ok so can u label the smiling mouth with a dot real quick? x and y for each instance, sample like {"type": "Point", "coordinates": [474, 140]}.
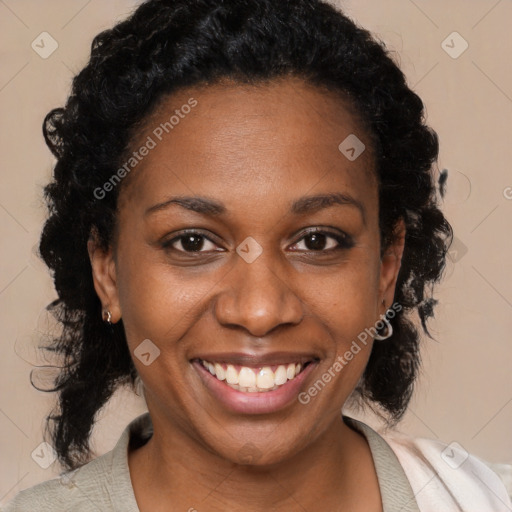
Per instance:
{"type": "Point", "coordinates": [254, 379]}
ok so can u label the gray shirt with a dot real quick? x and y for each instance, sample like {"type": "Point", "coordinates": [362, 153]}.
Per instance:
{"type": "Point", "coordinates": [104, 485]}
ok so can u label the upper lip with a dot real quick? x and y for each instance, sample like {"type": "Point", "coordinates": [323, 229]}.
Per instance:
{"type": "Point", "coordinates": [253, 359]}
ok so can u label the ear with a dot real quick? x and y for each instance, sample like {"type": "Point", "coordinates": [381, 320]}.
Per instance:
{"type": "Point", "coordinates": [390, 265]}
{"type": "Point", "coordinates": [104, 276]}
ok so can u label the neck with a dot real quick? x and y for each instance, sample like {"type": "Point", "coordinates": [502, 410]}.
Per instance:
{"type": "Point", "coordinates": [337, 468]}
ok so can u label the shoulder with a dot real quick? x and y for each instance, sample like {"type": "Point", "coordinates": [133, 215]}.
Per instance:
{"type": "Point", "coordinates": [442, 473]}
{"type": "Point", "coordinates": [102, 484]}
{"type": "Point", "coordinates": [76, 490]}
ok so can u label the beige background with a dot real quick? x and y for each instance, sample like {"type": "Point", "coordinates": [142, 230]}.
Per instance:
{"type": "Point", "coordinates": [465, 391]}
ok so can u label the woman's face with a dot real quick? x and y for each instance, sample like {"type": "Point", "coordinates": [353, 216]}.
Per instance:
{"type": "Point", "coordinates": [254, 172]}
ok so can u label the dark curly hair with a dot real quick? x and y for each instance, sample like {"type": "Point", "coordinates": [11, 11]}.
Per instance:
{"type": "Point", "coordinates": [166, 45]}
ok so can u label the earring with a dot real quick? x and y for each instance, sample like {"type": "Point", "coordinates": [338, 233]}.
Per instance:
{"type": "Point", "coordinates": [389, 327]}
{"type": "Point", "coordinates": [388, 333]}
{"type": "Point", "coordinates": [107, 316]}
{"type": "Point", "coordinates": [139, 386]}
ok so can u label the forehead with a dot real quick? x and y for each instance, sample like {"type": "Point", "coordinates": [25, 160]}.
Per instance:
{"type": "Point", "coordinates": [249, 136]}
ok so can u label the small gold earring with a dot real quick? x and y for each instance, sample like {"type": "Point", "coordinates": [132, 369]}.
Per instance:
{"type": "Point", "coordinates": [107, 316]}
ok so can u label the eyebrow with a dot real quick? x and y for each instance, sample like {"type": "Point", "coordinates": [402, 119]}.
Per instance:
{"type": "Point", "coordinates": [302, 206]}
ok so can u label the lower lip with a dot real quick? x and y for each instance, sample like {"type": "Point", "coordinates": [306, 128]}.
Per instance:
{"type": "Point", "coordinates": [253, 403]}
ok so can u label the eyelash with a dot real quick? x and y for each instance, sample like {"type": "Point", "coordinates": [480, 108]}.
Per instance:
{"type": "Point", "coordinates": [345, 241]}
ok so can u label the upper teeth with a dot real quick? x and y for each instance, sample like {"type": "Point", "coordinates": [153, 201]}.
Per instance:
{"type": "Point", "coordinates": [253, 379]}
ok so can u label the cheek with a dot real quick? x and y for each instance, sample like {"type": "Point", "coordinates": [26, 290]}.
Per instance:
{"type": "Point", "coordinates": [347, 304]}
{"type": "Point", "coordinates": [158, 301]}
{"type": "Point", "coordinates": [347, 298]}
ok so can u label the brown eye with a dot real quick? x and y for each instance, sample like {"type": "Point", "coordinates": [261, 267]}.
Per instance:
{"type": "Point", "coordinates": [189, 243]}
{"type": "Point", "coordinates": [192, 242]}
{"type": "Point", "coordinates": [323, 241]}
{"type": "Point", "coordinates": [316, 241]}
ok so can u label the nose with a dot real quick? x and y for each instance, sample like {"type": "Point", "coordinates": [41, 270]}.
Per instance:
{"type": "Point", "coordinates": [258, 297]}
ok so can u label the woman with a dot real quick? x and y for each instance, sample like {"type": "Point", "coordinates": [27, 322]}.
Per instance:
{"type": "Point", "coordinates": [244, 220]}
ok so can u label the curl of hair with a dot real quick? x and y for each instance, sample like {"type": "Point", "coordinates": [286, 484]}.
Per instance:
{"type": "Point", "coordinates": [166, 45]}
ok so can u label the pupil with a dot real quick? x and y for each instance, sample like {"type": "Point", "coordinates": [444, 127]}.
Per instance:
{"type": "Point", "coordinates": [317, 241]}
{"type": "Point", "coordinates": [192, 242]}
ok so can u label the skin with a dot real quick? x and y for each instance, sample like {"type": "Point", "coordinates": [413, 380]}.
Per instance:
{"type": "Point", "coordinates": [256, 150]}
